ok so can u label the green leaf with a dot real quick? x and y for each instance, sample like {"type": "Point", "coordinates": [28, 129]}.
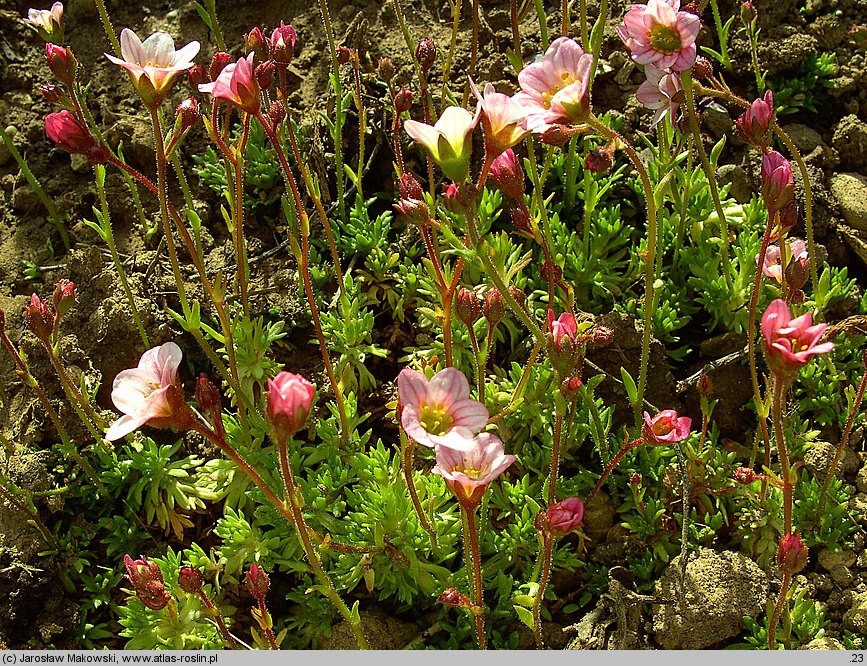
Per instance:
{"type": "Point", "coordinates": [629, 385]}
{"type": "Point", "coordinates": [525, 615]}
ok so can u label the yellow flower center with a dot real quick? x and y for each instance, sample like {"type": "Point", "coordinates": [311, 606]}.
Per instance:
{"type": "Point", "coordinates": [662, 427]}
{"type": "Point", "coordinates": [435, 419]}
{"type": "Point", "coordinates": [568, 79]}
{"type": "Point", "coordinates": [665, 39]}
{"type": "Point", "coordinates": [469, 471]}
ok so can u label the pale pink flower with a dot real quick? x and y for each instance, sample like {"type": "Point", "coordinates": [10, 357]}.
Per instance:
{"type": "Point", "coordinates": [439, 410]}
{"type": "Point", "coordinates": [556, 89]}
{"type": "Point", "coordinates": [772, 266]}
{"type": "Point", "coordinates": [288, 404]}
{"type": "Point", "coordinates": [47, 22]}
{"type": "Point", "coordinates": [448, 140]}
{"type": "Point", "coordinates": [665, 428]}
{"type": "Point", "coordinates": [153, 65]}
{"type": "Point", "coordinates": [502, 119]}
{"type": "Point", "coordinates": [661, 92]}
{"type": "Point", "coordinates": [658, 34]}
{"type": "Point", "coordinates": [790, 343]}
{"type": "Point", "coordinates": [237, 85]}
{"type": "Point", "coordinates": [563, 326]}
{"type": "Point", "coordinates": [468, 472]}
{"type": "Point", "coordinates": [142, 393]}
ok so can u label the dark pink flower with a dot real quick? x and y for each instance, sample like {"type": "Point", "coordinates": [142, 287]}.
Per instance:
{"type": "Point", "coordinates": [39, 319]}
{"type": "Point", "coordinates": [143, 393]}
{"type": "Point", "coordinates": [61, 62]}
{"type": "Point", "coordinates": [153, 65]}
{"type": "Point", "coordinates": [502, 119]}
{"type": "Point", "coordinates": [146, 577]}
{"type": "Point", "coordinates": [658, 34]}
{"type": "Point", "coordinates": [288, 404]}
{"type": "Point", "coordinates": [236, 84]}
{"type": "Point", "coordinates": [565, 516]}
{"type": "Point", "coordinates": [755, 125]}
{"type": "Point", "coordinates": [556, 89]}
{"type": "Point", "coordinates": [792, 553]}
{"type": "Point", "coordinates": [790, 343]}
{"type": "Point", "coordinates": [507, 174]}
{"type": "Point", "coordinates": [665, 428]}
{"type": "Point", "coordinates": [68, 133]}
{"type": "Point", "coordinates": [439, 410]}
{"type": "Point", "coordinates": [469, 471]}
{"type": "Point", "coordinates": [661, 92]}
{"type": "Point", "coordinates": [564, 346]}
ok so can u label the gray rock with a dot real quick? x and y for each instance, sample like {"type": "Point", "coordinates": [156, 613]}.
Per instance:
{"type": "Point", "coordinates": [806, 139]}
{"type": "Point", "coordinates": [850, 141]}
{"type": "Point", "coordinates": [861, 480]}
{"type": "Point", "coordinates": [855, 619]}
{"type": "Point", "coordinates": [741, 190]}
{"type": "Point", "coordinates": [5, 155]}
{"type": "Point", "coordinates": [717, 120]}
{"type": "Point", "coordinates": [850, 190]}
{"type": "Point", "coordinates": [829, 560]}
{"type": "Point", "coordinates": [820, 455]}
{"type": "Point", "coordinates": [24, 198]}
{"type": "Point", "coordinates": [718, 591]}
{"type": "Point", "coordinates": [824, 643]}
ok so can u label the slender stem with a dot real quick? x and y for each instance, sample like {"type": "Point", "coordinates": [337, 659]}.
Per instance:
{"type": "Point", "coordinates": [782, 450]}
{"type": "Point", "coordinates": [473, 535]}
{"type": "Point", "coordinates": [265, 624]}
{"type": "Point", "coordinates": [543, 23]}
{"type": "Point", "coordinates": [610, 467]}
{"type": "Point", "coordinates": [362, 122]}
{"type": "Point", "coordinates": [106, 24]}
{"type": "Point", "coordinates": [555, 455]}
{"type": "Point", "coordinates": [515, 400]}
{"type": "Point", "coordinates": [408, 446]}
{"type": "Point", "coordinates": [112, 248]}
{"type": "Point", "coordinates": [516, 32]}
{"type": "Point", "coordinates": [447, 65]}
{"type": "Point", "coordinates": [723, 38]}
{"type": "Point", "coordinates": [218, 618]}
{"type": "Point", "coordinates": [650, 263]}
{"type": "Point", "coordinates": [480, 368]}
{"type": "Point", "coordinates": [338, 111]}
{"type": "Point", "coordinates": [778, 609]}
{"type": "Point", "coordinates": [547, 558]}
{"type": "Point", "coordinates": [238, 217]}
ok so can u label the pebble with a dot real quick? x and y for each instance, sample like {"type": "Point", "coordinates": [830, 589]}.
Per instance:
{"type": "Point", "coordinates": [806, 139]}
{"type": "Point", "coordinates": [850, 190]}
{"type": "Point", "coordinates": [741, 190]}
{"type": "Point", "coordinates": [850, 141]}
{"type": "Point", "coordinates": [717, 120]}
{"type": "Point", "coordinates": [5, 154]}
{"type": "Point", "coordinates": [855, 619]}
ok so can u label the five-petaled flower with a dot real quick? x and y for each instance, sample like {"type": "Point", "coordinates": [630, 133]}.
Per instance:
{"type": "Point", "coordinates": [665, 428]}
{"type": "Point", "coordinates": [149, 393]}
{"type": "Point", "coordinates": [790, 343]}
{"type": "Point", "coordinates": [556, 89]}
{"type": "Point", "coordinates": [153, 65]}
{"type": "Point", "coordinates": [237, 85]}
{"type": "Point", "coordinates": [468, 472]}
{"type": "Point", "coordinates": [439, 411]}
{"type": "Point", "coordinates": [772, 266]}
{"type": "Point", "coordinates": [448, 140]}
{"type": "Point", "coordinates": [659, 34]}
{"type": "Point", "coordinates": [502, 119]}
{"type": "Point", "coordinates": [47, 22]}
{"type": "Point", "coordinates": [661, 92]}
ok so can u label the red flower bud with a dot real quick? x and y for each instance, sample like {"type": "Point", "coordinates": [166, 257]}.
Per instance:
{"type": "Point", "coordinates": [39, 319]}
{"type": "Point", "coordinates": [288, 404]}
{"type": "Point", "coordinates": [426, 53]}
{"type": "Point", "coordinates": [61, 62]}
{"type": "Point", "coordinates": [218, 64]}
{"type": "Point", "coordinates": [468, 307]}
{"type": "Point", "coordinates": [601, 336]}
{"type": "Point", "coordinates": [599, 160]}
{"type": "Point", "coordinates": [704, 385]}
{"type": "Point", "coordinates": [778, 185]}
{"type": "Point", "coordinates": [556, 135]}
{"type": "Point", "coordinates": [344, 55]}
{"type": "Point", "coordinates": [258, 582]}
{"type": "Point", "coordinates": [792, 553]}
{"type": "Point", "coordinates": [197, 75]}
{"type": "Point", "coordinates": [50, 92]}
{"type": "Point", "coordinates": [565, 516]}
{"type": "Point", "coordinates": [508, 176]}
{"type": "Point", "coordinates": [147, 580]}
{"type": "Point", "coordinates": [282, 44]}
{"type": "Point", "coordinates": [570, 386]}
{"type": "Point", "coordinates": [264, 74]}
{"type": "Point", "coordinates": [207, 394]}
{"type": "Point", "coordinates": [494, 309]}
{"type": "Point", "coordinates": [702, 69]}
{"type": "Point", "coordinates": [386, 69]}
{"type": "Point", "coordinates": [191, 580]}
{"type": "Point", "coordinates": [276, 112]}
{"type": "Point", "coordinates": [755, 126]}
{"type": "Point", "coordinates": [255, 42]}
{"type": "Point", "coordinates": [189, 113]}
{"type": "Point", "coordinates": [63, 297]}
{"type": "Point", "coordinates": [402, 100]}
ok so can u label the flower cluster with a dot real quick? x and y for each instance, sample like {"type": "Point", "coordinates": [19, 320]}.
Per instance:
{"type": "Point", "coordinates": [439, 413]}
{"type": "Point", "coordinates": [662, 38]}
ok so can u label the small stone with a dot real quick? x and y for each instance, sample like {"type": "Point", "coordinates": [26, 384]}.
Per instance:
{"type": "Point", "coordinates": [850, 141]}
{"type": "Point", "coordinates": [855, 619]}
{"type": "Point", "coordinates": [824, 643]}
{"type": "Point", "coordinates": [79, 163]}
{"type": "Point", "coordinates": [717, 120]}
{"type": "Point", "coordinates": [850, 190]}
{"type": "Point", "coordinates": [861, 480]}
{"type": "Point", "coordinates": [858, 508]}
{"type": "Point", "coordinates": [24, 198]}
{"type": "Point", "coordinates": [740, 191]}
{"type": "Point", "coordinates": [842, 576]}
{"type": "Point", "coordinates": [829, 560]}
{"type": "Point", "coordinates": [5, 154]}
{"type": "Point", "coordinates": [806, 139]}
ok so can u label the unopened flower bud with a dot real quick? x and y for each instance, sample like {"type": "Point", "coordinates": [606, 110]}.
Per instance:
{"type": "Point", "coordinates": [451, 597]}
{"type": "Point", "coordinates": [755, 126]}
{"type": "Point", "coordinates": [598, 160]}
{"type": "Point", "coordinates": [556, 135]}
{"type": "Point", "coordinates": [789, 215]}
{"type": "Point", "coordinates": [704, 385]}
{"type": "Point", "coordinates": [521, 220]}
{"type": "Point", "coordinates": [551, 272]}
{"type": "Point", "coordinates": [344, 55]}
{"type": "Point", "coordinates": [61, 62]}
{"type": "Point", "coordinates": [409, 187]}
{"type": "Point", "coordinates": [411, 204]}
{"type": "Point", "coordinates": [190, 580]}
{"type": "Point", "coordinates": [745, 475]}
{"type": "Point", "coordinates": [507, 174]}
{"type": "Point", "coordinates": [702, 69]}
{"type": "Point", "coordinates": [518, 294]}
{"type": "Point", "coordinates": [386, 69]}
{"type": "Point", "coordinates": [254, 41]}
{"type": "Point", "coordinates": [570, 386]}
{"type": "Point", "coordinates": [218, 64]}
{"type": "Point", "coordinates": [276, 112]}
{"type": "Point", "coordinates": [147, 580]}
{"type": "Point", "coordinates": [564, 348]}
{"type": "Point", "coordinates": [565, 516]}
{"type": "Point", "coordinates": [494, 309]}
{"type": "Point", "coordinates": [403, 101]}
{"type": "Point", "coordinates": [792, 553]}
{"type": "Point", "coordinates": [50, 92]}
{"type": "Point", "coordinates": [282, 44]}
{"type": "Point", "coordinates": [63, 297]}
{"type": "Point", "coordinates": [468, 307]}
{"type": "Point", "coordinates": [461, 199]}
{"type": "Point", "coordinates": [196, 75]}
{"type": "Point", "coordinates": [258, 582]}
{"type": "Point", "coordinates": [264, 73]}
{"type": "Point", "coordinates": [778, 185]}
{"type": "Point", "coordinates": [288, 404]}
{"type": "Point", "coordinates": [601, 336]}
{"type": "Point", "coordinates": [207, 394]}
{"type": "Point", "coordinates": [748, 13]}
{"type": "Point", "coordinates": [189, 113]}
{"type": "Point", "coordinates": [39, 319]}
{"type": "Point", "coordinates": [426, 53]}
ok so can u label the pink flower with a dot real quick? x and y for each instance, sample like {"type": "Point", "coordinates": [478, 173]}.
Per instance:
{"type": "Point", "coordinates": [772, 267]}
{"type": "Point", "coordinates": [61, 62]}
{"type": "Point", "coordinates": [439, 410]}
{"type": "Point", "coordinates": [508, 176]}
{"type": "Point", "coordinates": [563, 346]}
{"type": "Point", "coordinates": [468, 472]}
{"type": "Point", "coordinates": [756, 123]}
{"type": "Point", "coordinates": [792, 553]}
{"type": "Point", "coordinates": [153, 65]}
{"type": "Point", "coordinates": [658, 34]}
{"type": "Point", "coordinates": [68, 133]}
{"type": "Point", "coordinates": [282, 44]}
{"type": "Point", "coordinates": [665, 428]}
{"type": "Point", "coordinates": [143, 393]}
{"type": "Point", "coordinates": [502, 119]}
{"type": "Point", "coordinates": [448, 140]}
{"type": "Point", "coordinates": [555, 90]}
{"type": "Point", "coordinates": [236, 84]}
{"type": "Point", "coordinates": [40, 319]}
{"type": "Point", "coordinates": [47, 22]}
{"type": "Point", "coordinates": [662, 92]}
{"type": "Point", "coordinates": [288, 404]}
{"type": "Point", "coordinates": [790, 343]}
{"type": "Point", "coordinates": [565, 516]}
{"type": "Point", "coordinates": [778, 184]}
